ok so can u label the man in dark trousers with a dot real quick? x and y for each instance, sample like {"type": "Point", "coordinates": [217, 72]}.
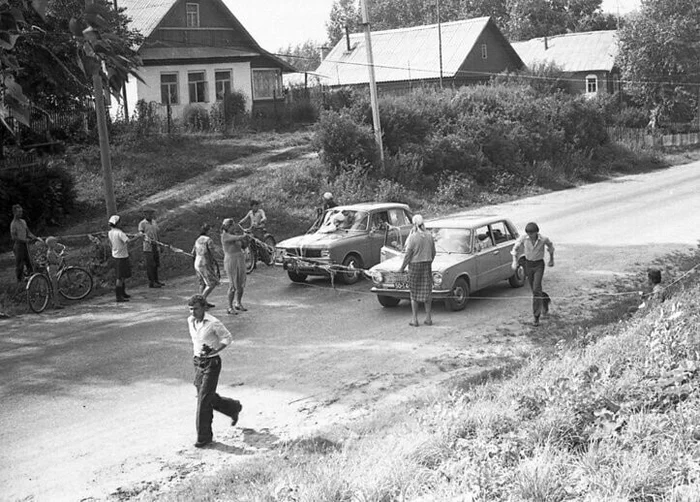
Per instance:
{"type": "Point", "coordinates": [534, 245]}
{"type": "Point", "coordinates": [149, 229]}
{"type": "Point", "coordinates": [209, 337]}
{"type": "Point", "coordinates": [20, 237]}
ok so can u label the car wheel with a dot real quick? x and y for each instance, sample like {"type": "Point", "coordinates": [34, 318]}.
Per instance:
{"type": "Point", "coordinates": [352, 262]}
{"type": "Point", "coordinates": [459, 295]}
{"type": "Point", "coordinates": [517, 280]}
{"type": "Point", "coordinates": [296, 277]}
{"type": "Point", "coordinates": [388, 301]}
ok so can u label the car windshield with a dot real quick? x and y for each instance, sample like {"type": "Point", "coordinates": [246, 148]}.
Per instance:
{"type": "Point", "coordinates": [452, 240]}
{"type": "Point", "coordinates": [346, 219]}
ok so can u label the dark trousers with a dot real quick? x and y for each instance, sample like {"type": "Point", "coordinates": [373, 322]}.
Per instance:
{"type": "Point", "coordinates": [22, 259]}
{"type": "Point", "coordinates": [152, 258]}
{"type": "Point", "coordinates": [534, 270]}
{"type": "Point", "coordinates": [206, 378]}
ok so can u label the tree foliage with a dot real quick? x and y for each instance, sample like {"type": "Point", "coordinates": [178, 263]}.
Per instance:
{"type": "Point", "coordinates": [660, 55]}
{"type": "Point", "coordinates": [344, 13]}
{"type": "Point", "coordinates": [305, 56]}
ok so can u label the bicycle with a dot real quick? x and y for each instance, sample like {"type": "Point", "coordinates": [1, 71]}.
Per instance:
{"type": "Point", "coordinates": [74, 283]}
{"type": "Point", "coordinates": [259, 249]}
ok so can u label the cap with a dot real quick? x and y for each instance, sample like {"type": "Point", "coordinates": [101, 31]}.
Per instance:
{"type": "Point", "coordinates": [114, 219]}
{"type": "Point", "coordinates": [418, 220]}
{"type": "Point", "coordinates": [531, 228]}
{"type": "Point", "coordinates": [227, 222]}
{"type": "Point", "coordinates": [327, 195]}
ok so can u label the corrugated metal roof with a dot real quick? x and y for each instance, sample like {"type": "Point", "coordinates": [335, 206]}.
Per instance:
{"type": "Point", "coordinates": [146, 14]}
{"type": "Point", "coordinates": [403, 54]}
{"type": "Point", "coordinates": [572, 52]}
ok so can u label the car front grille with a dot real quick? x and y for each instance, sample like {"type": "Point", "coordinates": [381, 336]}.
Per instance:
{"type": "Point", "coordinates": [303, 253]}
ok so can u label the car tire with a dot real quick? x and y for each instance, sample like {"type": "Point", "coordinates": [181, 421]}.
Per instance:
{"type": "Point", "coordinates": [459, 295]}
{"type": "Point", "coordinates": [296, 277]}
{"type": "Point", "coordinates": [517, 280]}
{"type": "Point", "coordinates": [388, 301]}
{"type": "Point", "coordinates": [351, 261]}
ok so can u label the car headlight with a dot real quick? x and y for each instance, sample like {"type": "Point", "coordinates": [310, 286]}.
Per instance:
{"type": "Point", "coordinates": [377, 277]}
{"type": "Point", "coordinates": [325, 253]}
{"type": "Point", "coordinates": [437, 279]}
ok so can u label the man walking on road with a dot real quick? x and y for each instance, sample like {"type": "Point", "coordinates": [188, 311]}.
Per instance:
{"type": "Point", "coordinates": [534, 245]}
{"type": "Point", "coordinates": [149, 229]}
{"type": "Point", "coordinates": [209, 337]}
{"type": "Point", "coordinates": [20, 236]}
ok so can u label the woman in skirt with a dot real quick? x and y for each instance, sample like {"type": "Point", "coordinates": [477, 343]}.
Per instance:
{"type": "Point", "coordinates": [204, 263]}
{"type": "Point", "coordinates": [420, 252]}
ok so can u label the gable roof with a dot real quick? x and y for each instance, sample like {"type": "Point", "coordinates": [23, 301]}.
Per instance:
{"type": "Point", "coordinates": [406, 53]}
{"type": "Point", "coordinates": [572, 52]}
{"type": "Point", "coordinates": [146, 15]}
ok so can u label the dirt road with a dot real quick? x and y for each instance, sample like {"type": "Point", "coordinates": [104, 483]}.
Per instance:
{"type": "Point", "coordinates": [98, 399]}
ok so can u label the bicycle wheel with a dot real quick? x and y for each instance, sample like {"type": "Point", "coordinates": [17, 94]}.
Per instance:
{"type": "Point", "coordinates": [249, 256]}
{"type": "Point", "coordinates": [270, 251]}
{"type": "Point", "coordinates": [38, 293]}
{"type": "Point", "coordinates": [74, 283]}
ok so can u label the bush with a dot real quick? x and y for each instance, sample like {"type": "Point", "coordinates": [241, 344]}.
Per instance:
{"type": "Point", "coordinates": [196, 118]}
{"type": "Point", "coordinates": [342, 141]}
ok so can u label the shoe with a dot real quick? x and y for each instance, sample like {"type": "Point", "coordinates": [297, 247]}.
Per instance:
{"type": "Point", "coordinates": [210, 305]}
{"type": "Point", "coordinates": [122, 300]}
{"type": "Point", "coordinates": [241, 308]}
{"type": "Point", "coordinates": [202, 444]}
{"type": "Point", "coordinates": [234, 418]}
{"type": "Point", "coordinates": [155, 285]}
{"type": "Point", "coordinates": [230, 311]}
{"type": "Point", "coordinates": [537, 321]}
{"type": "Point", "coordinates": [161, 284]}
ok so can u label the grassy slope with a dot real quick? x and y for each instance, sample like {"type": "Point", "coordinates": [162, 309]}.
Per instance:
{"type": "Point", "coordinates": [609, 413]}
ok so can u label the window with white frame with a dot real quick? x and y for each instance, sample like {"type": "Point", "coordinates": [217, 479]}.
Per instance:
{"type": "Point", "coordinates": [197, 83]}
{"type": "Point", "coordinates": [484, 51]}
{"type": "Point", "coordinates": [267, 84]}
{"type": "Point", "coordinates": [222, 79]}
{"type": "Point", "coordinates": [591, 84]}
{"type": "Point", "coordinates": [192, 15]}
{"type": "Point", "coordinates": [168, 88]}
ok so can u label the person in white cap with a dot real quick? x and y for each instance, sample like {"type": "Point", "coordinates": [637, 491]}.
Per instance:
{"type": "Point", "coordinates": [120, 253]}
{"type": "Point", "coordinates": [328, 202]}
{"type": "Point", "coordinates": [420, 252]}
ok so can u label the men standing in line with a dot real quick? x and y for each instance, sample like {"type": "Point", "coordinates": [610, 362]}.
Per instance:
{"type": "Point", "coordinates": [420, 252]}
{"type": "Point", "coordinates": [20, 236]}
{"type": "Point", "coordinates": [149, 229]}
{"type": "Point", "coordinates": [120, 253]}
{"type": "Point", "coordinates": [534, 245]}
{"type": "Point", "coordinates": [209, 337]}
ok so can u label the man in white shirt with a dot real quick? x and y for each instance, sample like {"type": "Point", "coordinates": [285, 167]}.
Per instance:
{"type": "Point", "coordinates": [120, 253]}
{"type": "Point", "coordinates": [209, 337]}
{"type": "Point", "coordinates": [257, 219]}
{"type": "Point", "coordinates": [534, 245]}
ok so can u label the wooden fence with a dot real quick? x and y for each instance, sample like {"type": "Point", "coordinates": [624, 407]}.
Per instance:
{"type": "Point", "coordinates": [645, 138]}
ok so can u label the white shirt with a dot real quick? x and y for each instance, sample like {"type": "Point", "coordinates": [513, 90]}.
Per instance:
{"type": "Point", "coordinates": [208, 333]}
{"type": "Point", "coordinates": [118, 239]}
{"type": "Point", "coordinates": [150, 230]}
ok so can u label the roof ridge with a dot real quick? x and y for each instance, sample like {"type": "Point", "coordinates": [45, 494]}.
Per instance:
{"type": "Point", "coordinates": [472, 20]}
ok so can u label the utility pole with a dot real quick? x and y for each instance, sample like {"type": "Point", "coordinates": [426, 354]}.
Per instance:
{"type": "Point", "coordinates": [372, 83]}
{"type": "Point", "coordinates": [439, 40]}
{"type": "Point", "coordinates": [91, 36]}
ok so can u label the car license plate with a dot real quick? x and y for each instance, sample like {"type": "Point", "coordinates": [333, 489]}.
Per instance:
{"type": "Point", "coordinates": [401, 285]}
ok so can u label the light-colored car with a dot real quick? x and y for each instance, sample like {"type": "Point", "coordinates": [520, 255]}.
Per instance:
{"type": "Point", "coordinates": [351, 236]}
{"type": "Point", "coordinates": [473, 252]}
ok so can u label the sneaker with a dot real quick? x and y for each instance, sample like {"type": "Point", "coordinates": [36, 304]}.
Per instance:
{"type": "Point", "coordinates": [234, 418]}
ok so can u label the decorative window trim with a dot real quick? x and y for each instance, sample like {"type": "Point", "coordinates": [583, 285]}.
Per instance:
{"type": "Point", "coordinates": [194, 13]}
{"type": "Point", "coordinates": [484, 51]}
{"type": "Point", "coordinates": [592, 84]}
{"type": "Point", "coordinates": [205, 90]}
{"type": "Point", "coordinates": [163, 100]}
{"type": "Point", "coordinates": [277, 87]}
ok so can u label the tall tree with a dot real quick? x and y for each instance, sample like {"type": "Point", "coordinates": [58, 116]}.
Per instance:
{"type": "Point", "coordinates": [305, 56]}
{"type": "Point", "coordinates": [538, 18]}
{"type": "Point", "coordinates": [344, 13]}
{"type": "Point", "coordinates": [660, 55]}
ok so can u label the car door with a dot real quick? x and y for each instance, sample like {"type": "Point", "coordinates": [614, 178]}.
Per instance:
{"type": "Point", "coordinates": [378, 223]}
{"type": "Point", "coordinates": [487, 257]}
{"type": "Point", "coordinates": [503, 239]}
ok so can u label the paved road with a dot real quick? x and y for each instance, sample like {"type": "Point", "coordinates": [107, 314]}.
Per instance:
{"type": "Point", "coordinates": [99, 396]}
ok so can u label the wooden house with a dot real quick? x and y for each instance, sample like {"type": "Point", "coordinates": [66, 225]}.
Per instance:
{"type": "Point", "coordinates": [587, 60]}
{"type": "Point", "coordinates": [194, 51]}
{"type": "Point", "coordinates": [458, 53]}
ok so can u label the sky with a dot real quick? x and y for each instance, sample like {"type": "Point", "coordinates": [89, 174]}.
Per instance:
{"type": "Point", "coordinates": [275, 24]}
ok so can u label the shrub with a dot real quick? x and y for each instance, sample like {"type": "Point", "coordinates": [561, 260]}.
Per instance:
{"type": "Point", "coordinates": [303, 111]}
{"type": "Point", "coordinates": [196, 118]}
{"type": "Point", "coordinates": [456, 188]}
{"type": "Point", "coordinates": [342, 141]}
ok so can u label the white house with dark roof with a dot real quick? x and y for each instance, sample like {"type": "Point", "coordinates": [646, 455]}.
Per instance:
{"type": "Point", "coordinates": [194, 51]}
{"type": "Point", "coordinates": [587, 59]}
{"type": "Point", "coordinates": [462, 52]}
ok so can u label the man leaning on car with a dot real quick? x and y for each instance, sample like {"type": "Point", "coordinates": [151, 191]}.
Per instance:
{"type": "Point", "coordinates": [534, 245]}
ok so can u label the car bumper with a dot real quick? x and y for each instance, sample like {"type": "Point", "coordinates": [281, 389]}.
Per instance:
{"type": "Point", "coordinates": [405, 293]}
{"type": "Point", "coordinates": [317, 266]}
